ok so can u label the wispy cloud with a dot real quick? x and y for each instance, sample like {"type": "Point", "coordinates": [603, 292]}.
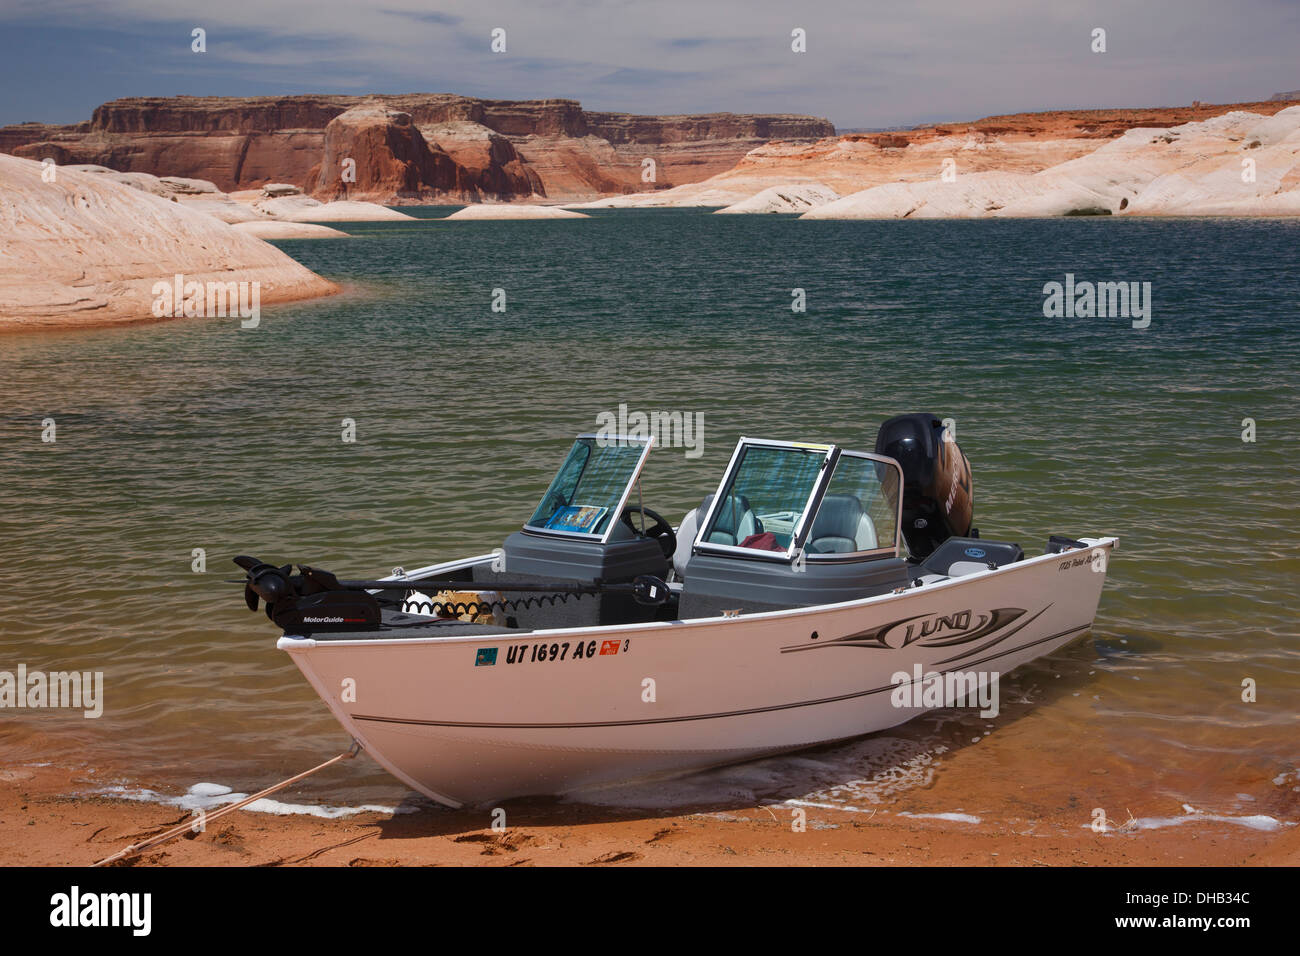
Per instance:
{"type": "Point", "coordinates": [426, 16]}
{"type": "Point", "coordinates": [874, 65]}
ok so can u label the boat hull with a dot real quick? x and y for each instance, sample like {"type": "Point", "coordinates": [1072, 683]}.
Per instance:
{"type": "Point", "coordinates": [468, 720]}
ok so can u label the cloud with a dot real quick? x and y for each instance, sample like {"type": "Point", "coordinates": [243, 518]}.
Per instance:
{"type": "Point", "coordinates": [427, 16]}
{"type": "Point", "coordinates": [879, 65]}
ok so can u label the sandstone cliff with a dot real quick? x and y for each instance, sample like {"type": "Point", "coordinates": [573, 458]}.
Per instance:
{"type": "Point", "coordinates": [799, 197]}
{"type": "Point", "coordinates": [374, 153]}
{"type": "Point", "coordinates": [407, 148]}
{"type": "Point", "coordinates": [275, 202]}
{"type": "Point", "coordinates": [1002, 165]}
{"type": "Point", "coordinates": [80, 249]}
{"type": "Point", "coordinates": [1238, 163]}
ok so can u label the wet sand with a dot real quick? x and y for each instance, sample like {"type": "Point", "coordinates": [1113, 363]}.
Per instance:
{"type": "Point", "coordinates": [41, 824]}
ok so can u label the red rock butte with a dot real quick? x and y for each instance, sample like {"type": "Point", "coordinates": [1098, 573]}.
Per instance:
{"type": "Point", "coordinates": [418, 147]}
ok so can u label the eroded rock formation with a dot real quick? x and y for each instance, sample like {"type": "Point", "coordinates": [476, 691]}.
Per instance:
{"type": "Point", "coordinates": [1167, 161]}
{"type": "Point", "coordinates": [81, 249]}
{"type": "Point", "coordinates": [407, 148]}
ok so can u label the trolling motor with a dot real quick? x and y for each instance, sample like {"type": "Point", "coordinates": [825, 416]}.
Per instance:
{"type": "Point", "coordinates": [310, 601]}
{"type": "Point", "coordinates": [316, 600]}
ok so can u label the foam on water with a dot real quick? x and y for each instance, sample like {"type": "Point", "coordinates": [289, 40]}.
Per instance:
{"type": "Point", "coordinates": [210, 796]}
{"type": "Point", "coordinates": [824, 806]}
{"type": "Point", "coordinates": [857, 776]}
{"type": "Point", "coordinates": [955, 817]}
{"type": "Point", "coordinates": [1256, 821]}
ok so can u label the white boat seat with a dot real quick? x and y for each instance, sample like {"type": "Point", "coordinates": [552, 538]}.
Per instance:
{"type": "Point", "coordinates": [841, 527]}
{"type": "Point", "coordinates": [722, 533]}
{"type": "Point", "coordinates": [686, 532]}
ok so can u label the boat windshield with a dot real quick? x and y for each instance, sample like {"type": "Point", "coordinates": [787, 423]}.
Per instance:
{"type": "Point", "coordinates": [860, 510]}
{"type": "Point", "coordinates": [765, 497]}
{"type": "Point", "coordinates": [589, 491]}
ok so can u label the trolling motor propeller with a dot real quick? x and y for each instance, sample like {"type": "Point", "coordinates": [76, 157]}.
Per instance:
{"type": "Point", "coordinates": [266, 581]}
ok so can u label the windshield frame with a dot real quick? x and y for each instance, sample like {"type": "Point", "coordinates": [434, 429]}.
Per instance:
{"type": "Point", "coordinates": [830, 455]}
{"type": "Point", "coordinates": [894, 549]}
{"type": "Point", "coordinates": [646, 441]}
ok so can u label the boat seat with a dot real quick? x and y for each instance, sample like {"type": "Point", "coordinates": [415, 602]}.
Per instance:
{"type": "Point", "coordinates": [722, 533]}
{"type": "Point", "coordinates": [686, 532]}
{"type": "Point", "coordinates": [734, 524]}
{"type": "Point", "coordinates": [841, 527]}
{"type": "Point", "coordinates": [835, 528]}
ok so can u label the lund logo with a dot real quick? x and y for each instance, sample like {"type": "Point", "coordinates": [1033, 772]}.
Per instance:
{"type": "Point", "coordinates": [914, 630]}
{"type": "Point", "coordinates": [939, 630]}
{"type": "Point", "coordinates": [932, 630]}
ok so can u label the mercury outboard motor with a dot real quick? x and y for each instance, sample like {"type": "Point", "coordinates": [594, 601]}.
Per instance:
{"type": "Point", "coordinates": [938, 497]}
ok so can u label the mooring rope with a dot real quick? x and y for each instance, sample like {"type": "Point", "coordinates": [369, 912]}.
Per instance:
{"type": "Point", "coordinates": [182, 829]}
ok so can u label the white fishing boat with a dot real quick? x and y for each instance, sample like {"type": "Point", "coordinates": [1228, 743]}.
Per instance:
{"type": "Point", "coordinates": [818, 594]}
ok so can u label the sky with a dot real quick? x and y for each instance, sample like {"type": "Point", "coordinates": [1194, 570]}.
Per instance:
{"type": "Point", "coordinates": [867, 64]}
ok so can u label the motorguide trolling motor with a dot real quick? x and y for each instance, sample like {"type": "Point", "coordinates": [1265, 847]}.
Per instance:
{"type": "Point", "coordinates": [316, 600]}
{"type": "Point", "coordinates": [311, 601]}
{"type": "Point", "coordinates": [938, 494]}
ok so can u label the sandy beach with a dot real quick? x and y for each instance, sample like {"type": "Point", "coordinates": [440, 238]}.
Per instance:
{"type": "Point", "coordinates": [43, 823]}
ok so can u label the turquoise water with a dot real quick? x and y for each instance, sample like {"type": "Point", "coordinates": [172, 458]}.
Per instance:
{"type": "Point", "coordinates": [197, 434]}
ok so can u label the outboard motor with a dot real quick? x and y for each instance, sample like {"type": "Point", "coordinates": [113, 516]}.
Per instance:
{"type": "Point", "coordinates": [938, 496]}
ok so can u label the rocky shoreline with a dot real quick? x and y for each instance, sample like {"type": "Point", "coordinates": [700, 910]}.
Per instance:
{"type": "Point", "coordinates": [1242, 162]}
{"type": "Point", "coordinates": [443, 148]}
{"type": "Point", "coordinates": [89, 240]}
{"type": "Point", "coordinates": [84, 250]}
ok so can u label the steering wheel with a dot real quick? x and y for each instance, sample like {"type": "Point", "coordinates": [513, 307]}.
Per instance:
{"type": "Point", "coordinates": [660, 530]}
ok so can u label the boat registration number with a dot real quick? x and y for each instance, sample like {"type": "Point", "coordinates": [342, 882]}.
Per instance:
{"type": "Point", "coordinates": [555, 651]}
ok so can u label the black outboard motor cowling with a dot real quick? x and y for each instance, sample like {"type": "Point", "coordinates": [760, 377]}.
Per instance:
{"type": "Point", "coordinates": [938, 495]}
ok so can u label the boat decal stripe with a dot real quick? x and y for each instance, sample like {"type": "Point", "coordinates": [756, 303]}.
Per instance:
{"type": "Point", "coordinates": [997, 640]}
{"type": "Point", "coordinates": [731, 713]}
{"type": "Point", "coordinates": [985, 623]}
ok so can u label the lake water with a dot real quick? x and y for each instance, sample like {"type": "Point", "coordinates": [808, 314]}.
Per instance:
{"type": "Point", "coordinates": [199, 434]}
